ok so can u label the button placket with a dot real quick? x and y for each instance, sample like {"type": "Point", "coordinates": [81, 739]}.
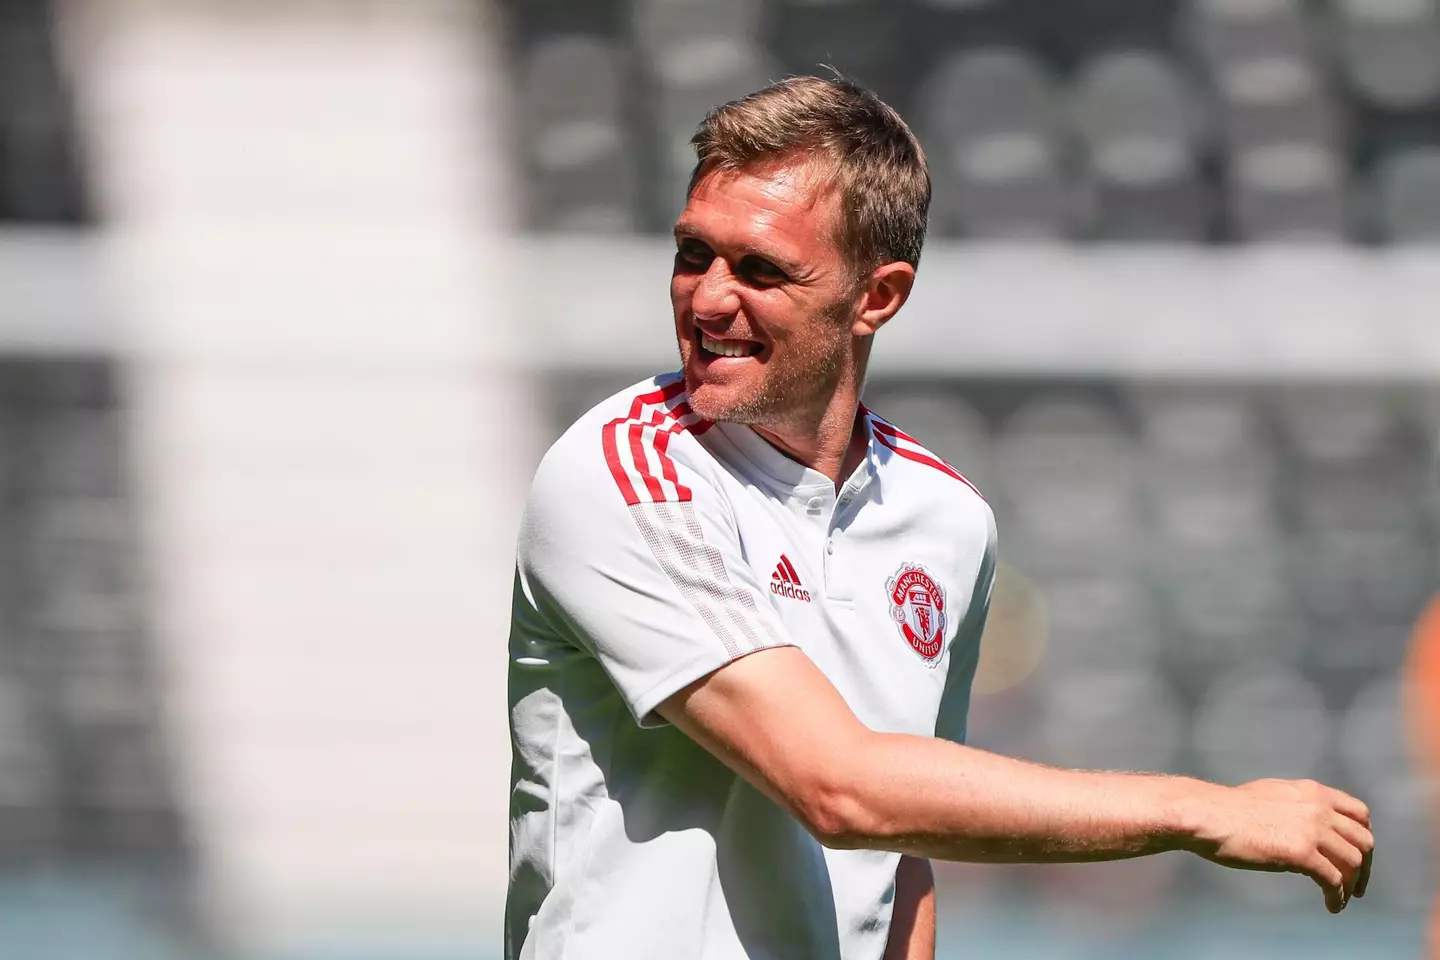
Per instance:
{"type": "Point", "coordinates": [837, 586]}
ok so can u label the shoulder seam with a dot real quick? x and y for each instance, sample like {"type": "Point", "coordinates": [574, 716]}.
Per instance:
{"type": "Point", "coordinates": [637, 445]}
{"type": "Point", "coordinates": [906, 446]}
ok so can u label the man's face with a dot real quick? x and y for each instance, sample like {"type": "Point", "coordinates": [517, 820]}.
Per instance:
{"type": "Point", "coordinates": [763, 297]}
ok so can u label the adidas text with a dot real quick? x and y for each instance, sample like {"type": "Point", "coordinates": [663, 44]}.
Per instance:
{"type": "Point", "coordinates": [790, 590]}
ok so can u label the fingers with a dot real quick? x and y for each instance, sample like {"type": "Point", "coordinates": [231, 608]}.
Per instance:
{"type": "Point", "coordinates": [1363, 840]}
{"type": "Point", "coordinates": [1328, 876]}
{"type": "Point", "coordinates": [1331, 842]}
{"type": "Point", "coordinates": [1350, 806]}
{"type": "Point", "coordinates": [1352, 824]}
{"type": "Point", "coordinates": [1346, 858]}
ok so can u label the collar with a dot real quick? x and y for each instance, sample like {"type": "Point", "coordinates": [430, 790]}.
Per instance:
{"type": "Point", "coordinates": [769, 467]}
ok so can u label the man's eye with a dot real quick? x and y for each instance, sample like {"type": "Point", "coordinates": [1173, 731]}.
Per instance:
{"type": "Point", "coordinates": [694, 255]}
{"type": "Point", "coordinates": [762, 271]}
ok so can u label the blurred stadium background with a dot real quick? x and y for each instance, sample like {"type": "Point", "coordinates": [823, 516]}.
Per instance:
{"type": "Point", "coordinates": [293, 295]}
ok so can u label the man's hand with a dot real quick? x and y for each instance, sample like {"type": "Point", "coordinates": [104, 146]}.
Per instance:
{"type": "Point", "coordinates": [1298, 826]}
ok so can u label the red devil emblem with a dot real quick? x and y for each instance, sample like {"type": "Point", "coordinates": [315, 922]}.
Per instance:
{"type": "Point", "coordinates": [917, 603]}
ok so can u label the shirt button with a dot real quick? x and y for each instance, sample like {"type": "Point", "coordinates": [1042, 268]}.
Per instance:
{"type": "Point", "coordinates": [815, 503]}
{"type": "Point", "coordinates": [829, 546]}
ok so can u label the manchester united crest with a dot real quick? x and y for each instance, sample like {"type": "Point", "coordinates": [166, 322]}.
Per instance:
{"type": "Point", "coordinates": [917, 602]}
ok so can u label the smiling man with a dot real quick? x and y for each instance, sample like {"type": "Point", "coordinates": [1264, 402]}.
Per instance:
{"type": "Point", "coordinates": [747, 612]}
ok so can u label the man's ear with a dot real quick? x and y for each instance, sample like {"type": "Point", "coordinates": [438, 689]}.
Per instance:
{"type": "Point", "coordinates": [885, 292]}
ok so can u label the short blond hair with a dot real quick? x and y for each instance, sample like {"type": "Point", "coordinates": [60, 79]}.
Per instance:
{"type": "Point", "coordinates": [876, 161]}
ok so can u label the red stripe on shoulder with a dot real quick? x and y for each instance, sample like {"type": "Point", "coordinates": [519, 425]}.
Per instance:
{"type": "Point", "coordinates": [644, 431]}
{"type": "Point", "coordinates": [889, 429]}
{"type": "Point", "coordinates": [642, 461]}
{"type": "Point", "coordinates": [662, 445]}
{"type": "Point", "coordinates": [664, 395]}
{"type": "Point", "coordinates": [612, 460]}
{"type": "Point", "coordinates": [892, 437]}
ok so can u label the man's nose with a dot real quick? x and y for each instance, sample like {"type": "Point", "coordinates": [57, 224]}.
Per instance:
{"type": "Point", "coordinates": [715, 297]}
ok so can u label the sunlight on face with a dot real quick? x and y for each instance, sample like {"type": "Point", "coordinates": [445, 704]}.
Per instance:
{"type": "Point", "coordinates": [762, 295]}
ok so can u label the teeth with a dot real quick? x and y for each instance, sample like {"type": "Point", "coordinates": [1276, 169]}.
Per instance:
{"type": "Point", "coordinates": [724, 348]}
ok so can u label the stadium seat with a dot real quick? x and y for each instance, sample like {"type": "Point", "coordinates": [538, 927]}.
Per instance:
{"type": "Point", "coordinates": [1208, 474]}
{"type": "Point", "coordinates": [1372, 739]}
{"type": "Point", "coordinates": [989, 121]}
{"type": "Point", "coordinates": [1268, 697]}
{"type": "Point", "coordinates": [1388, 50]}
{"type": "Point", "coordinates": [809, 36]}
{"type": "Point", "coordinates": [1407, 196]}
{"type": "Point", "coordinates": [82, 771]}
{"type": "Point", "coordinates": [580, 169]}
{"type": "Point", "coordinates": [690, 41]}
{"type": "Point", "coordinates": [1077, 31]}
{"type": "Point", "coordinates": [1141, 131]}
{"type": "Point", "coordinates": [531, 20]}
{"type": "Point", "coordinates": [1358, 458]}
{"type": "Point", "coordinates": [961, 4]}
{"type": "Point", "coordinates": [1205, 505]}
{"type": "Point", "coordinates": [1095, 718]}
{"type": "Point", "coordinates": [572, 80]}
{"type": "Point", "coordinates": [1198, 424]}
{"type": "Point", "coordinates": [1359, 591]}
{"type": "Point", "coordinates": [1380, 493]}
{"type": "Point", "coordinates": [1226, 605]}
{"type": "Point", "coordinates": [1286, 172]}
{"type": "Point", "coordinates": [1229, 32]}
{"type": "Point", "coordinates": [73, 453]}
{"type": "Point", "coordinates": [1275, 100]}
{"type": "Point", "coordinates": [19, 747]}
{"type": "Point", "coordinates": [1337, 424]}
{"type": "Point", "coordinates": [694, 55]}
{"type": "Point", "coordinates": [677, 110]}
{"type": "Point", "coordinates": [1194, 120]}
{"type": "Point", "coordinates": [1407, 882]}
{"type": "Point", "coordinates": [1293, 191]}
{"type": "Point", "coordinates": [1066, 482]}
{"type": "Point", "coordinates": [39, 180]}
{"type": "Point", "coordinates": [1103, 616]}
{"type": "Point", "coordinates": [935, 31]}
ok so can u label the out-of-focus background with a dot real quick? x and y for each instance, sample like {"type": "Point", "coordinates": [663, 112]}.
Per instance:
{"type": "Point", "coordinates": [293, 296]}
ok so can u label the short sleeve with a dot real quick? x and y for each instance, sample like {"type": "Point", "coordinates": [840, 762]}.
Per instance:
{"type": "Point", "coordinates": [951, 721]}
{"type": "Point", "coordinates": [644, 572]}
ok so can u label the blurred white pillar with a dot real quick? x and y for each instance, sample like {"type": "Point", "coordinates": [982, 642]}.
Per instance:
{"type": "Point", "coordinates": [305, 232]}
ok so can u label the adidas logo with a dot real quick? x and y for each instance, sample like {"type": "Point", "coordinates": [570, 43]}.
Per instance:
{"type": "Point", "coordinates": [785, 582]}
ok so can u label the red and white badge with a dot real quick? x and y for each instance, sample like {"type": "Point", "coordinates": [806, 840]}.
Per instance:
{"type": "Point", "coordinates": [917, 602]}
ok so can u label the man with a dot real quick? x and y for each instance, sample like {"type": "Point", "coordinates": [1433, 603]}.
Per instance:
{"type": "Point", "coordinates": [747, 612]}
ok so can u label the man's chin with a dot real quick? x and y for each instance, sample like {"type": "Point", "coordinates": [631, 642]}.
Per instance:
{"type": "Point", "coordinates": [728, 403]}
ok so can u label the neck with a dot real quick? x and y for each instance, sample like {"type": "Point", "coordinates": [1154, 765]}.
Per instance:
{"type": "Point", "coordinates": [824, 439]}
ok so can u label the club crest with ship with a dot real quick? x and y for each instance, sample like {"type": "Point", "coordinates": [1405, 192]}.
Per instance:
{"type": "Point", "coordinates": [917, 603]}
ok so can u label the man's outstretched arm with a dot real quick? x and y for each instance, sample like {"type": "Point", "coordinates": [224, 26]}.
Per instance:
{"type": "Point", "coordinates": [777, 720]}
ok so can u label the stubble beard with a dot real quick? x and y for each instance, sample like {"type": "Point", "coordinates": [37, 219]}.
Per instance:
{"type": "Point", "coordinates": [792, 394]}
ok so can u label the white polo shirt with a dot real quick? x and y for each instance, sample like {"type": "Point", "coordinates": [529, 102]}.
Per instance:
{"type": "Point", "coordinates": [655, 548]}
